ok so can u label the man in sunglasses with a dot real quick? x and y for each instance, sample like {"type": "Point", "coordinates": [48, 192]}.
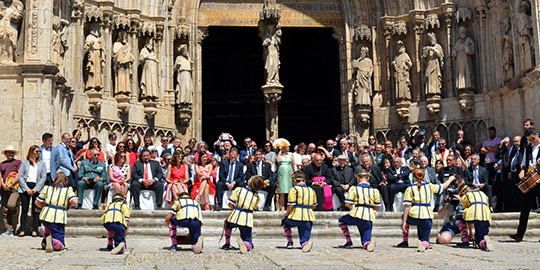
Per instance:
{"type": "Point", "coordinates": [248, 151]}
{"type": "Point", "coordinates": [92, 174]}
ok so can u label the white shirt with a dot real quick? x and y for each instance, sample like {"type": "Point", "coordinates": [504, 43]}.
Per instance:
{"type": "Point", "coordinates": [534, 157]}
{"type": "Point", "coordinates": [475, 176]}
{"type": "Point", "coordinates": [110, 148]}
{"type": "Point", "coordinates": [32, 174]}
{"type": "Point", "coordinates": [146, 166]}
{"type": "Point", "coordinates": [46, 156]}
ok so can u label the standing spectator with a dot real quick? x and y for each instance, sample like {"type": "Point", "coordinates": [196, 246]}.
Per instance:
{"type": "Point", "coordinates": [430, 176]}
{"type": "Point", "coordinates": [468, 152]}
{"type": "Point", "coordinates": [46, 155]}
{"type": "Point", "coordinates": [128, 136]}
{"type": "Point", "coordinates": [133, 155]}
{"type": "Point", "coordinates": [65, 160]}
{"type": "Point", "coordinates": [330, 147]}
{"type": "Point", "coordinates": [434, 145]}
{"type": "Point", "coordinates": [147, 143]}
{"type": "Point", "coordinates": [372, 140]}
{"type": "Point", "coordinates": [9, 169]}
{"type": "Point", "coordinates": [77, 134]}
{"type": "Point", "coordinates": [300, 154]}
{"type": "Point", "coordinates": [192, 142]}
{"type": "Point", "coordinates": [511, 168]}
{"type": "Point", "coordinates": [202, 149]}
{"type": "Point", "coordinates": [317, 176]}
{"type": "Point", "coordinates": [418, 140]}
{"type": "Point", "coordinates": [311, 148]}
{"type": "Point", "coordinates": [405, 152]}
{"type": "Point", "coordinates": [93, 174]}
{"type": "Point", "coordinates": [177, 178]}
{"type": "Point", "coordinates": [230, 176]}
{"type": "Point", "coordinates": [344, 150]}
{"type": "Point", "coordinates": [94, 144]}
{"type": "Point", "coordinates": [164, 145]}
{"type": "Point", "coordinates": [264, 169]}
{"type": "Point", "coordinates": [248, 151]}
{"type": "Point", "coordinates": [147, 174]}
{"type": "Point", "coordinates": [477, 177]}
{"type": "Point", "coordinates": [343, 179]}
{"type": "Point", "coordinates": [269, 154]}
{"type": "Point", "coordinates": [460, 142]}
{"type": "Point", "coordinates": [376, 178]}
{"type": "Point", "coordinates": [379, 148]}
{"type": "Point", "coordinates": [176, 144]}
{"type": "Point", "coordinates": [32, 177]}
{"type": "Point", "coordinates": [110, 148]}
{"type": "Point", "coordinates": [398, 179]}
{"type": "Point", "coordinates": [286, 167]}
{"type": "Point", "coordinates": [490, 148]}
{"type": "Point", "coordinates": [119, 174]}
{"type": "Point", "coordinates": [440, 154]}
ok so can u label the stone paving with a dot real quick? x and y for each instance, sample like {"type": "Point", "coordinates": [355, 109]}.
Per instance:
{"type": "Point", "coordinates": [146, 253]}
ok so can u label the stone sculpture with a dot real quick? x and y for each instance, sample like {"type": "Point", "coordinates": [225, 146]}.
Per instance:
{"type": "Point", "coordinates": [122, 61]}
{"type": "Point", "coordinates": [507, 49]}
{"type": "Point", "coordinates": [149, 77]}
{"type": "Point", "coordinates": [433, 56]}
{"type": "Point", "coordinates": [271, 43]}
{"type": "Point", "coordinates": [59, 43]}
{"type": "Point", "coordinates": [363, 70]}
{"type": "Point", "coordinates": [402, 64]}
{"type": "Point", "coordinates": [95, 53]}
{"type": "Point", "coordinates": [9, 31]}
{"type": "Point", "coordinates": [462, 54]}
{"type": "Point", "coordinates": [525, 37]}
{"type": "Point", "coordinates": [184, 82]}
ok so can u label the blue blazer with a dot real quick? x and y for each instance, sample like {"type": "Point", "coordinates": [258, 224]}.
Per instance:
{"type": "Point", "coordinates": [403, 175]}
{"type": "Point", "coordinates": [65, 160]}
{"type": "Point", "coordinates": [238, 176]}
{"type": "Point", "coordinates": [244, 154]}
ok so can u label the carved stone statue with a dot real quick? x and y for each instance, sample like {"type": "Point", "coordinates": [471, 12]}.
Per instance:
{"type": "Point", "coordinates": [363, 70]}
{"type": "Point", "coordinates": [122, 61]}
{"type": "Point", "coordinates": [271, 43]}
{"type": "Point", "coordinates": [462, 54]}
{"type": "Point", "coordinates": [525, 37]}
{"type": "Point", "coordinates": [149, 77]}
{"type": "Point", "coordinates": [59, 43]}
{"type": "Point", "coordinates": [95, 53]}
{"type": "Point", "coordinates": [402, 64]}
{"type": "Point", "coordinates": [507, 50]}
{"type": "Point", "coordinates": [9, 30]}
{"type": "Point", "coordinates": [433, 56]}
{"type": "Point", "coordinates": [184, 67]}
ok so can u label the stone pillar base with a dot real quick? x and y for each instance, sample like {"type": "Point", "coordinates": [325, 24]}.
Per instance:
{"type": "Point", "coordinates": [184, 112]}
{"type": "Point", "coordinates": [403, 110]}
{"type": "Point", "coordinates": [362, 114]}
{"type": "Point", "coordinates": [122, 103]}
{"type": "Point", "coordinates": [272, 96]}
{"type": "Point", "coordinates": [466, 101]}
{"type": "Point", "coordinates": [150, 108]}
{"type": "Point", "coordinates": [434, 104]}
{"type": "Point", "coordinates": [94, 99]}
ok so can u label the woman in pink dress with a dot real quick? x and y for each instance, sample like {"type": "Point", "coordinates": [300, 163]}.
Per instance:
{"type": "Point", "coordinates": [203, 185]}
{"type": "Point", "coordinates": [119, 174]}
{"type": "Point", "coordinates": [177, 178]}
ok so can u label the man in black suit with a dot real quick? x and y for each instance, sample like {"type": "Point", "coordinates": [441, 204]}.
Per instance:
{"type": "Point", "coordinates": [376, 178]}
{"type": "Point", "coordinates": [231, 175]}
{"type": "Point", "coordinates": [450, 169]}
{"type": "Point", "coordinates": [318, 169]}
{"type": "Point", "coordinates": [264, 169]}
{"type": "Point", "coordinates": [509, 155]}
{"type": "Point", "coordinates": [398, 179]}
{"type": "Point", "coordinates": [344, 150]}
{"type": "Point", "coordinates": [343, 179]}
{"type": "Point", "coordinates": [146, 174]}
{"type": "Point", "coordinates": [530, 158]}
{"type": "Point", "coordinates": [477, 177]}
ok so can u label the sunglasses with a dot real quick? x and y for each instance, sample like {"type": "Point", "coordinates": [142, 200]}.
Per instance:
{"type": "Point", "coordinates": [95, 155]}
{"type": "Point", "coordinates": [122, 156]}
{"type": "Point", "coordinates": [168, 159]}
{"type": "Point", "coordinates": [38, 151]}
{"type": "Point", "coordinates": [121, 146]}
{"type": "Point", "coordinates": [247, 141]}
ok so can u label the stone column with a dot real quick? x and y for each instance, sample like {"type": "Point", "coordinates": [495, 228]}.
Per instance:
{"type": "Point", "coordinates": [482, 16]}
{"type": "Point", "coordinates": [202, 33]}
{"type": "Point", "coordinates": [418, 19]}
{"type": "Point", "coordinates": [133, 32]}
{"type": "Point", "coordinates": [272, 96]}
{"type": "Point", "coordinates": [448, 10]}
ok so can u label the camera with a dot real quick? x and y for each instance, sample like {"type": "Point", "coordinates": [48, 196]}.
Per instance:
{"type": "Point", "coordinates": [452, 191]}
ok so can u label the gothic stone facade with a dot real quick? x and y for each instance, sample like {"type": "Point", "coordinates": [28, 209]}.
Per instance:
{"type": "Point", "coordinates": [435, 64]}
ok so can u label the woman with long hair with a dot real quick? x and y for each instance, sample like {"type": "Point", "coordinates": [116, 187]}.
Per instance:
{"type": "Point", "coordinates": [177, 178]}
{"type": "Point", "coordinates": [119, 174]}
{"type": "Point", "coordinates": [32, 176]}
{"type": "Point", "coordinates": [133, 154]}
{"type": "Point", "coordinates": [203, 185]}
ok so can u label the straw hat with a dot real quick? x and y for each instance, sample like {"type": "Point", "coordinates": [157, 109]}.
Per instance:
{"type": "Point", "coordinates": [342, 157]}
{"type": "Point", "coordinates": [10, 148]}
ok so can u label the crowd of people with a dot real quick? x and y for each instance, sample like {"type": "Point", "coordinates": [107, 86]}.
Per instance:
{"type": "Point", "coordinates": [330, 168]}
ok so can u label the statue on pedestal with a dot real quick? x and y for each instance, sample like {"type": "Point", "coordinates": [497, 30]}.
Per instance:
{"type": "Point", "coordinates": [363, 71]}
{"type": "Point", "coordinates": [507, 50]}
{"type": "Point", "coordinates": [59, 43]}
{"type": "Point", "coordinates": [122, 61]}
{"type": "Point", "coordinates": [271, 42]}
{"type": "Point", "coordinates": [462, 53]}
{"type": "Point", "coordinates": [402, 64]}
{"type": "Point", "coordinates": [183, 65]}
{"type": "Point", "coordinates": [95, 53]}
{"type": "Point", "coordinates": [9, 31]}
{"type": "Point", "coordinates": [149, 77]}
{"type": "Point", "coordinates": [525, 37]}
{"type": "Point", "coordinates": [433, 56]}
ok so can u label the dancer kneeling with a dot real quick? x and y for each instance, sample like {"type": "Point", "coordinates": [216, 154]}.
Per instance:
{"type": "Point", "coordinates": [116, 221]}
{"type": "Point", "coordinates": [301, 202]}
{"type": "Point", "coordinates": [417, 200]}
{"type": "Point", "coordinates": [365, 200]}
{"type": "Point", "coordinates": [186, 213]}
{"type": "Point", "coordinates": [54, 201]}
{"type": "Point", "coordinates": [242, 202]}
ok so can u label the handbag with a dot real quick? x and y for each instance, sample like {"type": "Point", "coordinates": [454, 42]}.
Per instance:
{"type": "Point", "coordinates": [12, 176]}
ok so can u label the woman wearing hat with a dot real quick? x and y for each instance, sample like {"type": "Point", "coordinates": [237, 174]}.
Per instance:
{"type": "Point", "coordinates": [8, 171]}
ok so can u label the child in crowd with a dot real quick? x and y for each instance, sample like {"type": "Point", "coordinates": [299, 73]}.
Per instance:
{"type": "Point", "coordinates": [53, 202]}
{"type": "Point", "coordinates": [365, 200]}
{"type": "Point", "coordinates": [417, 200]}
{"type": "Point", "coordinates": [116, 220]}
{"type": "Point", "coordinates": [243, 201]}
{"type": "Point", "coordinates": [477, 212]}
{"type": "Point", "coordinates": [301, 201]}
{"type": "Point", "coordinates": [186, 213]}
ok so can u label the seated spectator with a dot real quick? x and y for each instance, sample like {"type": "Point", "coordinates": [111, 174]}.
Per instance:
{"type": "Point", "coordinates": [94, 144]}
{"type": "Point", "coordinates": [450, 169]}
{"type": "Point", "coordinates": [92, 174]}
{"type": "Point", "coordinates": [164, 145]}
{"type": "Point", "coordinates": [202, 148]}
{"type": "Point", "coordinates": [477, 177]}
{"type": "Point", "coordinates": [188, 151]}
{"type": "Point", "coordinates": [441, 153]}
{"type": "Point", "coordinates": [438, 166]}
{"type": "Point", "coordinates": [119, 174]}
{"type": "Point", "coordinates": [32, 177]}
{"type": "Point", "coordinates": [430, 176]}
{"type": "Point", "coordinates": [398, 179]}
{"type": "Point", "coordinates": [343, 179]}
{"type": "Point", "coordinates": [215, 169]}
{"type": "Point", "coordinates": [376, 178]}
{"type": "Point", "coordinates": [176, 144]}
{"type": "Point", "coordinates": [128, 136]}
{"type": "Point", "coordinates": [147, 175]}
{"type": "Point", "coordinates": [131, 149]}
{"type": "Point", "coordinates": [110, 147]}
{"type": "Point", "coordinates": [203, 185]}
{"type": "Point", "coordinates": [468, 151]}
{"type": "Point", "coordinates": [177, 178]}
{"type": "Point", "coordinates": [300, 153]}
{"type": "Point", "coordinates": [230, 176]}
{"type": "Point", "coordinates": [248, 151]}
{"type": "Point", "coordinates": [165, 161]}
{"type": "Point", "coordinates": [153, 153]}
{"type": "Point", "coordinates": [318, 176]}
{"type": "Point", "coordinates": [264, 169]}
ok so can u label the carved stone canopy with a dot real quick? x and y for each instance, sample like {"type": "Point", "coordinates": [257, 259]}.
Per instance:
{"type": "Point", "coordinates": [362, 32]}
{"type": "Point", "coordinates": [93, 14]}
{"type": "Point", "coordinates": [399, 28]}
{"type": "Point", "coordinates": [148, 28]}
{"type": "Point", "coordinates": [121, 21]}
{"type": "Point", "coordinates": [463, 14]}
{"type": "Point", "coordinates": [432, 21]}
{"type": "Point", "coordinates": [182, 31]}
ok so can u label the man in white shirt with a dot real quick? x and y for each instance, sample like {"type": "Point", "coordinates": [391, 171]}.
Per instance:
{"type": "Point", "coordinates": [110, 148]}
{"type": "Point", "coordinates": [46, 151]}
{"type": "Point", "coordinates": [164, 145]}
